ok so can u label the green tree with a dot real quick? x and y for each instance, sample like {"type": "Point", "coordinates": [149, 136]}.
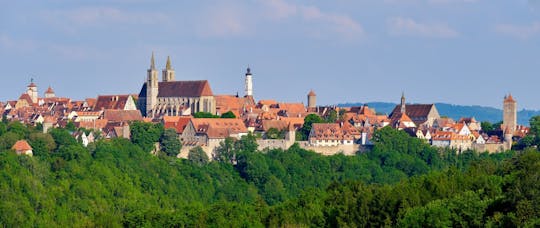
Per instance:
{"type": "Point", "coordinates": [3, 128]}
{"type": "Point", "coordinates": [42, 144]}
{"type": "Point", "coordinates": [228, 115]}
{"type": "Point", "coordinates": [170, 144]}
{"type": "Point", "coordinates": [205, 115]}
{"type": "Point", "coordinates": [246, 144]}
{"type": "Point", "coordinates": [225, 152]}
{"type": "Point", "coordinates": [332, 116]}
{"type": "Point", "coordinates": [8, 139]}
{"type": "Point", "coordinates": [535, 129]}
{"type": "Point", "coordinates": [198, 156]}
{"type": "Point", "coordinates": [274, 133]}
{"type": "Point", "coordinates": [486, 126]}
{"type": "Point", "coordinates": [18, 128]}
{"type": "Point", "coordinates": [309, 120]}
{"type": "Point", "coordinates": [145, 135]}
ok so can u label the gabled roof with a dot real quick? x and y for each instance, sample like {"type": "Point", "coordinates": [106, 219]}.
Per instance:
{"type": "Point", "coordinates": [277, 124]}
{"type": "Point", "coordinates": [178, 123]}
{"type": "Point", "coordinates": [509, 98]}
{"type": "Point", "coordinates": [21, 145]}
{"type": "Point", "coordinates": [115, 115]}
{"type": "Point", "coordinates": [111, 102]}
{"type": "Point", "coordinates": [217, 127]}
{"type": "Point", "coordinates": [414, 110]}
{"type": "Point", "coordinates": [26, 97]}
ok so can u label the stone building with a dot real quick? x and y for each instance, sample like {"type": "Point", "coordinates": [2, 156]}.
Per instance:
{"type": "Point", "coordinates": [174, 98]}
{"type": "Point", "coordinates": [420, 114]}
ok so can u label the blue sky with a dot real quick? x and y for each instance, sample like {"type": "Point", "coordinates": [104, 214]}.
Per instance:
{"type": "Point", "coordinates": [455, 51]}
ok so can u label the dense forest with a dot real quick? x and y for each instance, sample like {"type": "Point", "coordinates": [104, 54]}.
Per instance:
{"type": "Point", "coordinates": [402, 182]}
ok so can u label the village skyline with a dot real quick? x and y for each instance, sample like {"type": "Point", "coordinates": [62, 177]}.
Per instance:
{"type": "Point", "coordinates": [347, 51]}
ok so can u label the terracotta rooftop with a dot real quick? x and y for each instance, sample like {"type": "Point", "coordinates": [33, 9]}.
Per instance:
{"type": "Point", "coordinates": [111, 102]}
{"type": "Point", "coordinates": [21, 145]}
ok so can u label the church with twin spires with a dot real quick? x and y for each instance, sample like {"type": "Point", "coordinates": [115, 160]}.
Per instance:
{"type": "Point", "coordinates": [174, 98]}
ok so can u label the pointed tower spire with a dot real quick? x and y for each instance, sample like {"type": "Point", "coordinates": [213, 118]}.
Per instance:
{"type": "Point", "coordinates": [152, 62]}
{"type": "Point", "coordinates": [168, 66]}
{"type": "Point", "coordinates": [403, 102]}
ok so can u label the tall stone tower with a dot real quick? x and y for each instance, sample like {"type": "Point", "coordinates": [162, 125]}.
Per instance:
{"type": "Point", "coordinates": [312, 99]}
{"type": "Point", "coordinates": [509, 114]}
{"type": "Point", "coordinates": [403, 105]}
{"type": "Point", "coordinates": [152, 87]}
{"type": "Point", "coordinates": [249, 83]}
{"type": "Point", "coordinates": [32, 91]}
{"type": "Point", "coordinates": [168, 72]}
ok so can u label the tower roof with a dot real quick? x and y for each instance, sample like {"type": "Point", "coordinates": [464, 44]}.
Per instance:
{"type": "Point", "coordinates": [168, 66]}
{"type": "Point", "coordinates": [248, 71]}
{"type": "Point", "coordinates": [152, 62]}
{"type": "Point", "coordinates": [509, 98]}
{"type": "Point", "coordinates": [311, 93]}
{"type": "Point", "coordinates": [49, 90]}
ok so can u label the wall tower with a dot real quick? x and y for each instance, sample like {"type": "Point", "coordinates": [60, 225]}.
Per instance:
{"type": "Point", "coordinates": [312, 99]}
{"type": "Point", "coordinates": [509, 114]}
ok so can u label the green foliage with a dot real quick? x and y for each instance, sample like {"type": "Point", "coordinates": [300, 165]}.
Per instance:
{"type": "Point", "coordinates": [274, 133]}
{"type": "Point", "coordinates": [403, 182]}
{"type": "Point", "coordinates": [170, 143]}
{"type": "Point", "coordinates": [145, 135]}
{"type": "Point", "coordinates": [8, 139]}
{"type": "Point", "coordinates": [70, 126]}
{"type": "Point", "coordinates": [309, 120]}
{"type": "Point", "coordinates": [198, 156]}
{"type": "Point", "coordinates": [205, 115]}
{"type": "Point", "coordinates": [535, 129]}
{"type": "Point", "coordinates": [486, 126]}
{"type": "Point", "coordinates": [332, 116]}
{"type": "Point", "coordinates": [228, 115]}
{"type": "Point", "coordinates": [3, 128]}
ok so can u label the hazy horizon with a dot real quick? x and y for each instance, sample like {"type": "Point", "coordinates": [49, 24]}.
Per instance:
{"type": "Point", "coordinates": [463, 52]}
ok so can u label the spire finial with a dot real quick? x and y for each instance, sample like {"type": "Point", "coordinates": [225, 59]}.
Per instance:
{"type": "Point", "coordinates": [152, 63]}
{"type": "Point", "coordinates": [168, 66]}
{"type": "Point", "coordinates": [248, 70]}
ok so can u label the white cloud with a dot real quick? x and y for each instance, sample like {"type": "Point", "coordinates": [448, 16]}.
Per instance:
{"type": "Point", "coordinates": [279, 9]}
{"type": "Point", "coordinates": [225, 22]}
{"type": "Point", "coordinates": [327, 22]}
{"type": "Point", "coordinates": [401, 26]}
{"type": "Point", "coordinates": [519, 31]}
{"type": "Point", "coordinates": [71, 19]}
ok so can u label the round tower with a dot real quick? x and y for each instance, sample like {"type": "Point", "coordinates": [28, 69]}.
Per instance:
{"type": "Point", "coordinates": [312, 99]}
{"type": "Point", "coordinates": [249, 83]}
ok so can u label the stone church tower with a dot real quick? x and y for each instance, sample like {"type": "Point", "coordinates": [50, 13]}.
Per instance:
{"type": "Point", "coordinates": [168, 72]}
{"type": "Point", "coordinates": [509, 114]}
{"type": "Point", "coordinates": [152, 89]}
{"type": "Point", "coordinates": [403, 105]}
{"type": "Point", "coordinates": [32, 91]}
{"type": "Point", "coordinates": [249, 83]}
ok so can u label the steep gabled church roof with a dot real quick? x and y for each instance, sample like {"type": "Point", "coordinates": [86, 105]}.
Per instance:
{"type": "Point", "coordinates": [184, 89]}
{"type": "Point", "coordinates": [414, 110]}
{"type": "Point", "coordinates": [181, 89]}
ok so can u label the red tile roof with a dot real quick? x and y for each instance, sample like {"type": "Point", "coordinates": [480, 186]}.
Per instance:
{"type": "Point", "coordinates": [122, 115]}
{"type": "Point", "coordinates": [21, 145]}
{"type": "Point", "coordinates": [111, 102]}
{"type": "Point", "coordinates": [178, 123]}
{"type": "Point", "coordinates": [217, 127]}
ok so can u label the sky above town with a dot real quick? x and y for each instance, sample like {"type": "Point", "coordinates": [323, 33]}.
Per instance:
{"type": "Point", "coordinates": [468, 52]}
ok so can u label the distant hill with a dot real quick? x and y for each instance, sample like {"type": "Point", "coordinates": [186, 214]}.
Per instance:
{"type": "Point", "coordinates": [481, 113]}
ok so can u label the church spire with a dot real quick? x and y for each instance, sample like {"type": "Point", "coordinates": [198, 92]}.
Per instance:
{"type": "Point", "coordinates": [168, 66]}
{"type": "Point", "coordinates": [152, 62]}
{"type": "Point", "coordinates": [403, 102]}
